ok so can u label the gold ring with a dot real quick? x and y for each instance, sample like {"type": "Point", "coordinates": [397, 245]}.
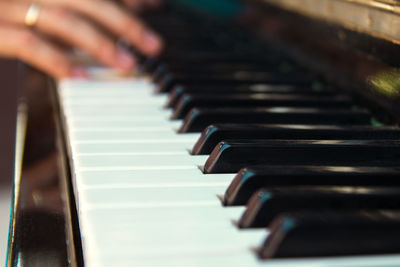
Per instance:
{"type": "Point", "coordinates": [32, 16]}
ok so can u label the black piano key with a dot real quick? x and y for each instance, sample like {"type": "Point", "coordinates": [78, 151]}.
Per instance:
{"type": "Point", "coordinates": [178, 41]}
{"type": "Point", "coordinates": [149, 65]}
{"type": "Point", "coordinates": [159, 73]}
{"type": "Point", "coordinates": [251, 179]}
{"type": "Point", "coordinates": [178, 91]}
{"type": "Point", "coordinates": [188, 102]}
{"type": "Point", "coordinates": [214, 134]}
{"type": "Point", "coordinates": [169, 81]}
{"type": "Point", "coordinates": [211, 67]}
{"type": "Point", "coordinates": [193, 45]}
{"type": "Point", "coordinates": [199, 118]}
{"type": "Point", "coordinates": [268, 203]}
{"type": "Point", "coordinates": [231, 156]}
{"type": "Point", "coordinates": [238, 69]}
{"type": "Point", "coordinates": [323, 234]}
{"type": "Point", "coordinates": [227, 57]}
{"type": "Point", "coordinates": [203, 58]}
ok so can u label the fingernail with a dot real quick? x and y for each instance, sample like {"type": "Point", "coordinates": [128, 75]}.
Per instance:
{"type": "Point", "coordinates": [152, 40]}
{"type": "Point", "coordinates": [125, 59]}
{"type": "Point", "coordinates": [79, 72]}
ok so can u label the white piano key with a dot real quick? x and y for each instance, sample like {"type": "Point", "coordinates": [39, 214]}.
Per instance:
{"type": "Point", "coordinates": [132, 135]}
{"type": "Point", "coordinates": [240, 258]}
{"type": "Point", "coordinates": [104, 147]}
{"type": "Point", "coordinates": [144, 96]}
{"type": "Point", "coordinates": [72, 85]}
{"type": "Point", "coordinates": [116, 111]}
{"type": "Point", "coordinates": [171, 213]}
{"type": "Point", "coordinates": [127, 123]}
{"type": "Point", "coordinates": [184, 237]}
{"type": "Point", "coordinates": [153, 185]}
{"type": "Point", "coordinates": [132, 129]}
{"type": "Point", "coordinates": [125, 92]}
{"type": "Point", "coordinates": [110, 101]}
{"type": "Point", "coordinates": [234, 258]}
{"type": "Point", "coordinates": [112, 161]}
{"type": "Point", "coordinates": [116, 108]}
{"type": "Point", "coordinates": [149, 195]}
{"type": "Point", "coordinates": [144, 177]}
{"type": "Point", "coordinates": [120, 118]}
{"type": "Point", "coordinates": [116, 92]}
{"type": "Point", "coordinates": [172, 235]}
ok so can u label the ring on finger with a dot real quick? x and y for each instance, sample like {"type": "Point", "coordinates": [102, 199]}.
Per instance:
{"type": "Point", "coordinates": [32, 15]}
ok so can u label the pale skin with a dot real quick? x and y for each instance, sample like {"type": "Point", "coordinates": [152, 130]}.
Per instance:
{"type": "Point", "coordinates": [90, 25]}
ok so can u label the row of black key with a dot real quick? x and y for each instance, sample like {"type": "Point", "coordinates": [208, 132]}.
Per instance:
{"type": "Point", "coordinates": [309, 165]}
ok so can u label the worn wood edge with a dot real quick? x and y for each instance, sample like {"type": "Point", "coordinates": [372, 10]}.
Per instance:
{"type": "Point", "coordinates": [377, 18]}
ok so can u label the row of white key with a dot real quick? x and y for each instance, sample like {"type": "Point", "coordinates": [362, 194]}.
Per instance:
{"type": "Point", "coordinates": [142, 200]}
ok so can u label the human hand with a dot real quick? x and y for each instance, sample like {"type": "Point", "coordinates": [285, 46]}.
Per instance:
{"type": "Point", "coordinates": [86, 24]}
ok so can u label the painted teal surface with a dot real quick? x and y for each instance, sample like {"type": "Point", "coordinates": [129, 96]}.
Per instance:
{"type": "Point", "coordinates": [247, 175]}
{"type": "Point", "coordinates": [225, 8]}
{"type": "Point", "coordinates": [287, 225]}
{"type": "Point", "coordinates": [265, 197]}
{"type": "Point", "coordinates": [224, 147]}
{"type": "Point", "coordinates": [210, 132]}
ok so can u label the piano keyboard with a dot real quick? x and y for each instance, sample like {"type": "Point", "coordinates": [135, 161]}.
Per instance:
{"type": "Point", "coordinates": [168, 187]}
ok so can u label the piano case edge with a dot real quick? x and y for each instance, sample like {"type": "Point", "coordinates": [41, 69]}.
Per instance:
{"type": "Point", "coordinates": [67, 181]}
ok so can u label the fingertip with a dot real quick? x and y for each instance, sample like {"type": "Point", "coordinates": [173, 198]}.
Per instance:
{"type": "Point", "coordinates": [78, 72]}
{"type": "Point", "coordinates": [125, 60]}
{"type": "Point", "coordinates": [153, 42]}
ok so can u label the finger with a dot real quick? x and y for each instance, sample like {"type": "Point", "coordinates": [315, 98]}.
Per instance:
{"type": "Point", "coordinates": [76, 31]}
{"type": "Point", "coordinates": [27, 46]}
{"type": "Point", "coordinates": [118, 21]}
{"type": "Point", "coordinates": [84, 35]}
{"type": "Point", "coordinates": [15, 12]}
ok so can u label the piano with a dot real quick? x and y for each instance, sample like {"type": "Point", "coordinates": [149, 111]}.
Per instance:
{"type": "Point", "coordinates": [271, 140]}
